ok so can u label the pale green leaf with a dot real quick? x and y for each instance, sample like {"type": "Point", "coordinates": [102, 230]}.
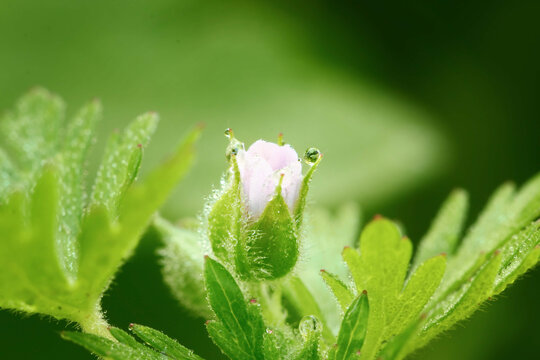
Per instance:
{"type": "Point", "coordinates": [342, 293]}
{"type": "Point", "coordinates": [34, 130]}
{"type": "Point", "coordinates": [79, 137]}
{"type": "Point", "coordinates": [182, 264]}
{"type": "Point", "coordinates": [445, 230]}
{"type": "Point", "coordinates": [120, 164]}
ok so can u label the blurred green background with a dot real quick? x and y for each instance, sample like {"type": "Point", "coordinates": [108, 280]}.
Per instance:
{"type": "Point", "coordinates": [405, 101]}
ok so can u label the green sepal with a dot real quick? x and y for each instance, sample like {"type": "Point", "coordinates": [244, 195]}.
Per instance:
{"type": "Point", "coordinates": [269, 247]}
{"type": "Point", "coordinates": [302, 198]}
{"type": "Point", "coordinates": [225, 216]}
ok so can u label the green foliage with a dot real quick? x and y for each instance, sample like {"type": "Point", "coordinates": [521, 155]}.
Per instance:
{"type": "Point", "coordinates": [445, 288]}
{"type": "Point", "coordinates": [60, 248]}
{"type": "Point", "coordinates": [157, 346]}
{"type": "Point", "coordinates": [182, 265]}
{"type": "Point", "coordinates": [409, 304]}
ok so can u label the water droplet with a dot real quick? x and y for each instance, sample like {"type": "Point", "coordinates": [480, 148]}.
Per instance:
{"type": "Point", "coordinates": [312, 155]}
{"type": "Point", "coordinates": [229, 132]}
{"type": "Point", "coordinates": [269, 331]}
{"type": "Point", "coordinates": [309, 324]}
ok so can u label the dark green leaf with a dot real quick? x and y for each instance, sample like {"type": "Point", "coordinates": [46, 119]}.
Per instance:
{"type": "Point", "coordinates": [163, 343]}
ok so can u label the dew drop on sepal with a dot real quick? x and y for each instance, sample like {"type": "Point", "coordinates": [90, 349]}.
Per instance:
{"type": "Point", "coordinates": [312, 155]}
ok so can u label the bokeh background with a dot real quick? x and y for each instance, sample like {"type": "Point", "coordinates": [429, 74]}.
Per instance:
{"type": "Point", "coordinates": [407, 101]}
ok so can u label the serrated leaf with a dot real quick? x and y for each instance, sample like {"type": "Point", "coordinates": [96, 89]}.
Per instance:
{"type": "Point", "coordinates": [230, 308]}
{"type": "Point", "coordinates": [33, 130]}
{"type": "Point", "coordinates": [518, 255]}
{"type": "Point", "coordinates": [445, 230]}
{"type": "Point", "coordinates": [40, 216]}
{"type": "Point", "coordinates": [164, 344]}
{"type": "Point", "coordinates": [417, 292]}
{"type": "Point", "coordinates": [353, 329]}
{"type": "Point", "coordinates": [104, 243]}
{"type": "Point", "coordinates": [380, 268]}
{"type": "Point", "coordinates": [143, 351]}
{"type": "Point", "coordinates": [120, 164]}
{"type": "Point", "coordinates": [463, 302]}
{"type": "Point", "coordinates": [342, 293]}
{"type": "Point", "coordinates": [73, 155]}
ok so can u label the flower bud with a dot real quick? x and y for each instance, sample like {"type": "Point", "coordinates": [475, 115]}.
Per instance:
{"type": "Point", "coordinates": [254, 221]}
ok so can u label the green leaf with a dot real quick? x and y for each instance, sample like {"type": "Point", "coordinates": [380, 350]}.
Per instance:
{"type": "Point", "coordinates": [353, 329]}
{"type": "Point", "coordinates": [342, 293]}
{"type": "Point", "coordinates": [44, 219]}
{"type": "Point", "coordinates": [161, 346]}
{"type": "Point", "coordinates": [106, 244]}
{"type": "Point", "coordinates": [518, 255]}
{"type": "Point", "coordinates": [182, 261]}
{"type": "Point", "coordinates": [33, 130]}
{"type": "Point", "coordinates": [380, 268]}
{"type": "Point", "coordinates": [125, 338]}
{"type": "Point", "coordinates": [79, 137]}
{"type": "Point", "coordinates": [121, 162]}
{"type": "Point", "coordinates": [163, 343]}
{"type": "Point", "coordinates": [418, 290]}
{"type": "Point", "coordinates": [395, 347]}
{"type": "Point", "coordinates": [231, 309]}
{"type": "Point", "coordinates": [221, 336]}
{"type": "Point", "coordinates": [445, 230]}
{"type": "Point", "coordinates": [463, 302]}
{"type": "Point", "coordinates": [105, 348]}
